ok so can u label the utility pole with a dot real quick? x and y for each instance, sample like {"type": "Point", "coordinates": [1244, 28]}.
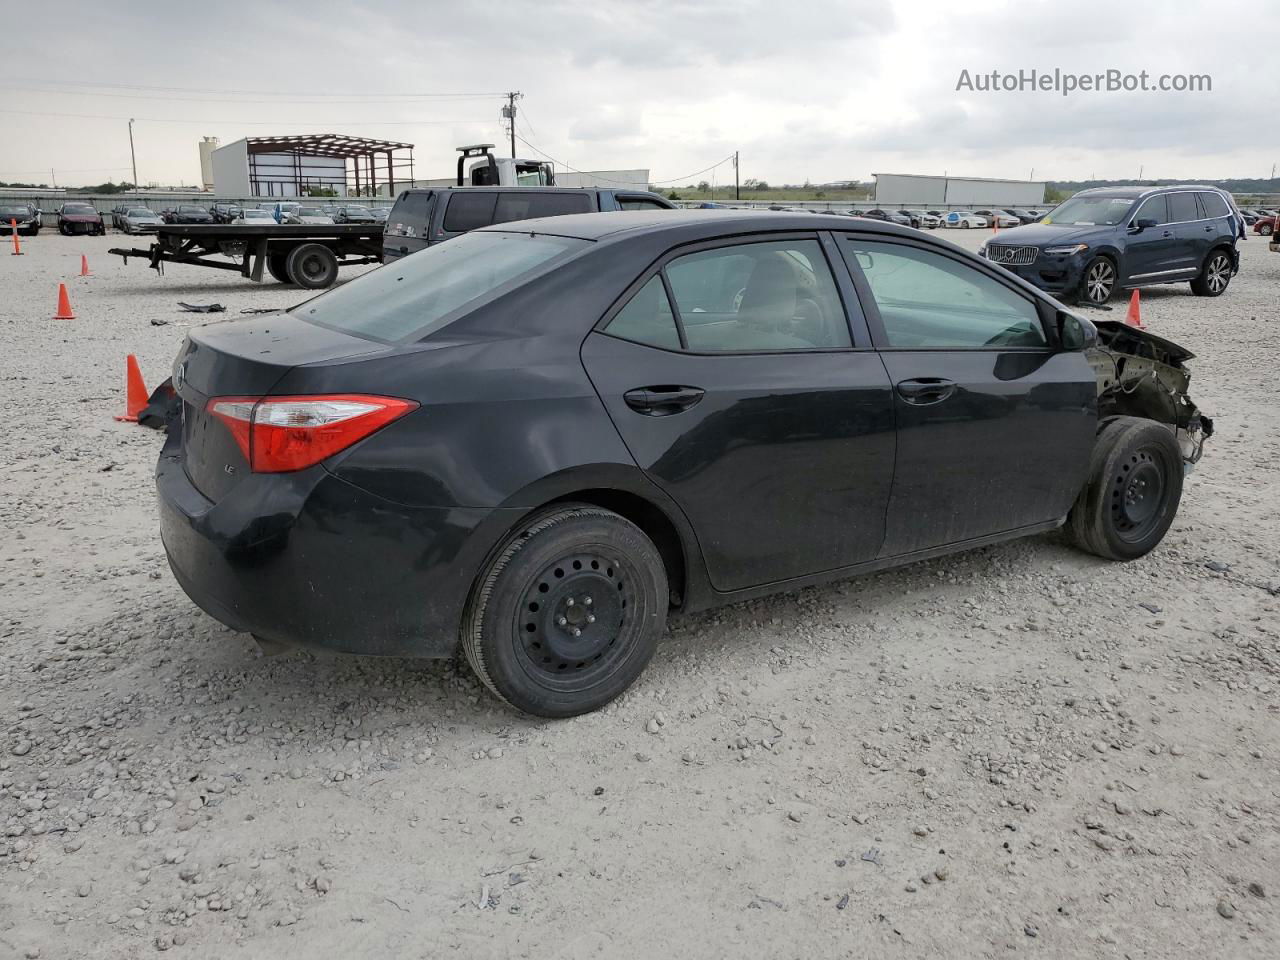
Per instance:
{"type": "Point", "coordinates": [1033, 174]}
{"type": "Point", "coordinates": [509, 114]}
{"type": "Point", "coordinates": [737, 191]}
{"type": "Point", "coordinates": [133, 157]}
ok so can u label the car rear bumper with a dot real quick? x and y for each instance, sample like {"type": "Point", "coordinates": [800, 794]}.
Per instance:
{"type": "Point", "coordinates": [308, 559]}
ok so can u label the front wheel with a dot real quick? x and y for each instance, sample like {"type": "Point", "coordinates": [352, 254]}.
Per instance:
{"type": "Point", "coordinates": [1265, 230]}
{"type": "Point", "coordinates": [1132, 494]}
{"type": "Point", "coordinates": [1214, 276]}
{"type": "Point", "coordinates": [1099, 281]}
{"type": "Point", "coordinates": [568, 614]}
{"type": "Point", "coordinates": [312, 266]}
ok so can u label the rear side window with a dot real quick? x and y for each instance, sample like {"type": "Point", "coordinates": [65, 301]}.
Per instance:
{"type": "Point", "coordinates": [419, 295]}
{"type": "Point", "coordinates": [930, 301]}
{"type": "Point", "coordinates": [647, 318]}
{"type": "Point", "coordinates": [1214, 205]}
{"type": "Point", "coordinates": [639, 203]}
{"type": "Point", "coordinates": [1182, 207]}
{"type": "Point", "coordinates": [410, 215]}
{"type": "Point", "coordinates": [527, 206]}
{"type": "Point", "coordinates": [469, 211]}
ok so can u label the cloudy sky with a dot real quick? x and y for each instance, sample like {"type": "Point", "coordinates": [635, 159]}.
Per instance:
{"type": "Point", "coordinates": [809, 89]}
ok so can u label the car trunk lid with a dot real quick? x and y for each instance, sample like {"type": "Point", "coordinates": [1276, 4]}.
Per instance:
{"type": "Point", "coordinates": [243, 358]}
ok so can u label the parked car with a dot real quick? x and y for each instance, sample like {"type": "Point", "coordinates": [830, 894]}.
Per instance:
{"type": "Point", "coordinates": [857, 212]}
{"type": "Point", "coordinates": [425, 216]}
{"type": "Point", "coordinates": [187, 213]}
{"type": "Point", "coordinates": [79, 217]}
{"type": "Point", "coordinates": [255, 216]}
{"type": "Point", "coordinates": [888, 216]}
{"type": "Point", "coordinates": [380, 213]}
{"type": "Point", "coordinates": [354, 214]}
{"type": "Point", "coordinates": [281, 210]}
{"type": "Point", "coordinates": [538, 440]}
{"type": "Point", "coordinates": [964, 219]}
{"type": "Point", "coordinates": [1109, 238]}
{"type": "Point", "coordinates": [1265, 225]}
{"type": "Point", "coordinates": [311, 215]}
{"type": "Point", "coordinates": [999, 217]}
{"type": "Point", "coordinates": [140, 220]}
{"type": "Point", "coordinates": [920, 219]}
{"type": "Point", "coordinates": [120, 209]}
{"type": "Point", "coordinates": [1021, 215]}
{"type": "Point", "coordinates": [224, 211]}
{"type": "Point", "coordinates": [24, 217]}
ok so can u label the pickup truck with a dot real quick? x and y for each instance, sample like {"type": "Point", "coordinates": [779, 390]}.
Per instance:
{"type": "Point", "coordinates": [425, 216]}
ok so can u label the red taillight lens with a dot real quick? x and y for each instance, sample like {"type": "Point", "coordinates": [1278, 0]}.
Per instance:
{"type": "Point", "coordinates": [279, 434]}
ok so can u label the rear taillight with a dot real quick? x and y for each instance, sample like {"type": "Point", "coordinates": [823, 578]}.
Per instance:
{"type": "Point", "coordinates": [279, 434]}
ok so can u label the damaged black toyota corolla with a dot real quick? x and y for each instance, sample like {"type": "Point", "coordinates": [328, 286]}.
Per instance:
{"type": "Point", "coordinates": [536, 440]}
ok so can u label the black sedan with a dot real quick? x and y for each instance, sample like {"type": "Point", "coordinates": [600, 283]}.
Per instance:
{"type": "Point", "coordinates": [537, 439]}
{"type": "Point", "coordinates": [22, 217]}
{"type": "Point", "coordinates": [354, 214]}
{"type": "Point", "coordinates": [187, 213]}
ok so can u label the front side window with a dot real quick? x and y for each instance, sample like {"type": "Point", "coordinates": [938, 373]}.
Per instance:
{"type": "Point", "coordinates": [1153, 208]}
{"type": "Point", "coordinates": [930, 301]}
{"type": "Point", "coordinates": [418, 295]}
{"type": "Point", "coordinates": [469, 211]}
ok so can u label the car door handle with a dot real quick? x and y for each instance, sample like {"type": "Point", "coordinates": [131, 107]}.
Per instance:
{"type": "Point", "coordinates": [1167, 233]}
{"type": "Point", "coordinates": [926, 390]}
{"type": "Point", "coordinates": [663, 400]}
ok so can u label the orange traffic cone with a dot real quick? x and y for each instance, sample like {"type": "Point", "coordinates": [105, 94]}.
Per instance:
{"type": "Point", "coordinates": [1134, 317]}
{"type": "Point", "coordinates": [84, 266]}
{"type": "Point", "coordinates": [17, 244]}
{"type": "Point", "coordinates": [135, 391]}
{"type": "Point", "coordinates": [64, 304]}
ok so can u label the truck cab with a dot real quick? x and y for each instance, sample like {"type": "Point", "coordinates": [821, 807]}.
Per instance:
{"type": "Point", "coordinates": [478, 167]}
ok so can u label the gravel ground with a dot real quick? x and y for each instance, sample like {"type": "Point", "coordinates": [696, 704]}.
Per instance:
{"type": "Point", "coordinates": [1020, 748]}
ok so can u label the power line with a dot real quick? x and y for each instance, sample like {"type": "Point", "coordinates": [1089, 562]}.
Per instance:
{"type": "Point", "coordinates": [293, 121]}
{"type": "Point", "coordinates": [18, 82]}
{"type": "Point", "coordinates": [228, 100]}
{"type": "Point", "coordinates": [718, 163]}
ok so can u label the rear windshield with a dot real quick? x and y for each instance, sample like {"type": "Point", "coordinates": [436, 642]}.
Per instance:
{"type": "Point", "coordinates": [420, 294]}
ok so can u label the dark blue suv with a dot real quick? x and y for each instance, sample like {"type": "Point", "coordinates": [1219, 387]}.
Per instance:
{"type": "Point", "coordinates": [1126, 237]}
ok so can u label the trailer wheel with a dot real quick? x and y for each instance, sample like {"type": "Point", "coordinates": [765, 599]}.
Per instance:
{"type": "Point", "coordinates": [312, 266]}
{"type": "Point", "coordinates": [277, 267]}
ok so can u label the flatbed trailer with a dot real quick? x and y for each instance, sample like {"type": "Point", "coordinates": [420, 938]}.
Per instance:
{"type": "Point", "coordinates": [304, 254]}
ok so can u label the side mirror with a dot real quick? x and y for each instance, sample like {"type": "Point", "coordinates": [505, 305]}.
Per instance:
{"type": "Point", "coordinates": [1075, 332]}
{"type": "Point", "coordinates": [1143, 224]}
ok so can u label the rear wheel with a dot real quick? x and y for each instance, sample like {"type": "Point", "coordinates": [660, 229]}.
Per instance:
{"type": "Point", "coordinates": [1214, 275]}
{"type": "Point", "coordinates": [277, 268]}
{"type": "Point", "coordinates": [568, 614]}
{"type": "Point", "coordinates": [312, 266]}
{"type": "Point", "coordinates": [1133, 490]}
{"type": "Point", "coordinates": [1265, 230]}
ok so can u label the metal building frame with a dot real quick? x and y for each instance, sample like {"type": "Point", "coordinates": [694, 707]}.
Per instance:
{"type": "Point", "coordinates": [361, 158]}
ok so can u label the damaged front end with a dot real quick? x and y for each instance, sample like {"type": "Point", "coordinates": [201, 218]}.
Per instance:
{"type": "Point", "coordinates": [1143, 375]}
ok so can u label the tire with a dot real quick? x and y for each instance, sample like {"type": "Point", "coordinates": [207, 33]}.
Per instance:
{"type": "Point", "coordinates": [277, 268]}
{"type": "Point", "coordinates": [312, 266]}
{"type": "Point", "coordinates": [1132, 493]}
{"type": "Point", "coordinates": [1215, 275]}
{"type": "Point", "coordinates": [1265, 230]}
{"type": "Point", "coordinates": [517, 632]}
{"type": "Point", "coordinates": [965, 224]}
{"type": "Point", "coordinates": [64, 230]}
{"type": "Point", "coordinates": [1098, 282]}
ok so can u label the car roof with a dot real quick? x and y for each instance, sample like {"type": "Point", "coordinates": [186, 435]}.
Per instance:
{"type": "Point", "coordinates": [618, 224]}
{"type": "Point", "coordinates": [1135, 192]}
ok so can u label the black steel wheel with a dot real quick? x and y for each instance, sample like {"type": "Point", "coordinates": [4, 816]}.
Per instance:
{"type": "Point", "coordinates": [1099, 281]}
{"type": "Point", "coordinates": [277, 268]}
{"type": "Point", "coordinates": [1133, 490]}
{"type": "Point", "coordinates": [312, 266]}
{"type": "Point", "coordinates": [569, 612]}
{"type": "Point", "coordinates": [1214, 275]}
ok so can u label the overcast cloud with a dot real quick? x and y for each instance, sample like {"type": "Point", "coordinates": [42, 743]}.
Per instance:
{"type": "Point", "coordinates": [805, 90]}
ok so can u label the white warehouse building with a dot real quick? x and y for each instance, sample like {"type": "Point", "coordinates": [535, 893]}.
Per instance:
{"type": "Point", "coordinates": [915, 190]}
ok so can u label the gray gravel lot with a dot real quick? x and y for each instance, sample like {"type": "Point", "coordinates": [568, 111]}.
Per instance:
{"type": "Point", "coordinates": [1020, 748]}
